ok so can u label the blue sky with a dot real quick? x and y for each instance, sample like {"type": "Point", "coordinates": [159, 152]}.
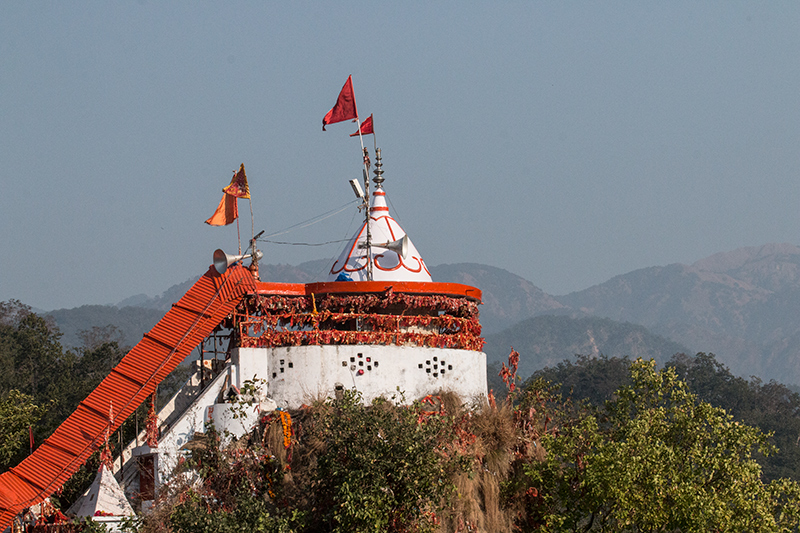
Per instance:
{"type": "Point", "coordinates": [566, 142]}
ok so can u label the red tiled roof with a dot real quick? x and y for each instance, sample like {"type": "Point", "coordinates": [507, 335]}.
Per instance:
{"type": "Point", "coordinates": [190, 320]}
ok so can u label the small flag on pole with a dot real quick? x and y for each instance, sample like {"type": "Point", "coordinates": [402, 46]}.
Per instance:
{"type": "Point", "coordinates": [345, 108]}
{"type": "Point", "coordinates": [366, 127]}
{"type": "Point", "coordinates": [238, 186]}
{"type": "Point", "coordinates": [106, 459]}
{"type": "Point", "coordinates": [228, 211]}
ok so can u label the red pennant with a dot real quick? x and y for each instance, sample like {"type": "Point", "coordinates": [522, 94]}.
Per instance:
{"type": "Point", "coordinates": [345, 108]}
{"type": "Point", "coordinates": [366, 127]}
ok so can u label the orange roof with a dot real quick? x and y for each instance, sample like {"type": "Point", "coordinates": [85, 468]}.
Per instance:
{"type": "Point", "coordinates": [190, 320]}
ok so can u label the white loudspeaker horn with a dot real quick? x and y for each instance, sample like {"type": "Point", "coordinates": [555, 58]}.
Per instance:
{"type": "Point", "coordinates": [400, 246]}
{"type": "Point", "coordinates": [222, 260]}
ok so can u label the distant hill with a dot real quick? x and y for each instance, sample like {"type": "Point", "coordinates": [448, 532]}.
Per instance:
{"type": "Point", "coordinates": [742, 305]}
{"type": "Point", "coordinates": [132, 322]}
{"type": "Point", "coordinates": [507, 298]}
{"type": "Point", "coordinates": [547, 340]}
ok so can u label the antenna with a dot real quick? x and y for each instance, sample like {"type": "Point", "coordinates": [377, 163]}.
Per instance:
{"type": "Point", "coordinates": [366, 188]}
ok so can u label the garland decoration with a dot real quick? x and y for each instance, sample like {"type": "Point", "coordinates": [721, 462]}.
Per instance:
{"type": "Point", "coordinates": [151, 427]}
{"type": "Point", "coordinates": [384, 318]}
{"type": "Point", "coordinates": [286, 422]}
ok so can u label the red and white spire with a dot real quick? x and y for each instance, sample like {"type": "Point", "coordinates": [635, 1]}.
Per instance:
{"type": "Point", "coordinates": [388, 262]}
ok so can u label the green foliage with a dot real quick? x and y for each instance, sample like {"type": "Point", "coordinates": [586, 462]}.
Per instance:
{"type": "Point", "coordinates": [87, 525]}
{"type": "Point", "coordinates": [381, 468]}
{"type": "Point", "coordinates": [351, 467]}
{"type": "Point", "coordinates": [593, 379]}
{"type": "Point", "coordinates": [18, 412]}
{"type": "Point", "coordinates": [37, 356]}
{"type": "Point", "coordinates": [655, 458]}
{"type": "Point", "coordinates": [772, 407]}
{"type": "Point", "coordinates": [251, 513]}
{"type": "Point", "coordinates": [652, 458]}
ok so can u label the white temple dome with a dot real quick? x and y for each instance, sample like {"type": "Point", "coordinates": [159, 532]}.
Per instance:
{"type": "Point", "coordinates": [387, 264]}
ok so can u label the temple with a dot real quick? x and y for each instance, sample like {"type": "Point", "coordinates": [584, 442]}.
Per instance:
{"type": "Point", "coordinates": [379, 324]}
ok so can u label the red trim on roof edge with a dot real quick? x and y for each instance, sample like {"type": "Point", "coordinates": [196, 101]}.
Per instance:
{"type": "Point", "coordinates": [366, 287]}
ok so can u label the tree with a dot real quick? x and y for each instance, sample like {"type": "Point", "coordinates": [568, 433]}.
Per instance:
{"type": "Point", "coordinates": [772, 407]}
{"type": "Point", "coordinates": [18, 413]}
{"type": "Point", "coordinates": [590, 378]}
{"type": "Point", "coordinates": [657, 459]}
{"type": "Point", "coordinates": [381, 467]}
{"type": "Point", "coordinates": [38, 354]}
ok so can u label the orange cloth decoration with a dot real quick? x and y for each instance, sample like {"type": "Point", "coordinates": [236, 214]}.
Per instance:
{"type": "Point", "coordinates": [226, 213]}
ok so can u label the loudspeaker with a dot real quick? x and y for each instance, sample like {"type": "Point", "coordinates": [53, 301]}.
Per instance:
{"type": "Point", "coordinates": [400, 246]}
{"type": "Point", "coordinates": [222, 260]}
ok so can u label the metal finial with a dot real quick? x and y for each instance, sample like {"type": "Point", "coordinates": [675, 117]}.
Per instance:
{"type": "Point", "coordinates": [378, 179]}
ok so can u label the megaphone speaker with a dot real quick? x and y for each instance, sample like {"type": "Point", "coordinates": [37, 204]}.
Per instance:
{"type": "Point", "coordinates": [222, 260]}
{"type": "Point", "coordinates": [400, 246]}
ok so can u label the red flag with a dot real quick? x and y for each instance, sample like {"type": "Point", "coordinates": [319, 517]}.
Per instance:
{"type": "Point", "coordinates": [226, 213]}
{"type": "Point", "coordinates": [366, 127]}
{"type": "Point", "coordinates": [345, 108]}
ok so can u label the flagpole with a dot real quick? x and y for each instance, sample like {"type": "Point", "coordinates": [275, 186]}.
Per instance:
{"type": "Point", "coordinates": [366, 188]}
{"type": "Point", "coordinates": [238, 235]}
{"type": "Point", "coordinates": [252, 221]}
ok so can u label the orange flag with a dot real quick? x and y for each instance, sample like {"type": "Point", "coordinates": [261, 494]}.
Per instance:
{"type": "Point", "coordinates": [226, 213]}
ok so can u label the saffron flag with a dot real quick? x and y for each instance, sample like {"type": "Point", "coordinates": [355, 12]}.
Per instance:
{"type": "Point", "coordinates": [345, 108]}
{"type": "Point", "coordinates": [238, 186]}
{"type": "Point", "coordinates": [366, 127]}
{"type": "Point", "coordinates": [226, 213]}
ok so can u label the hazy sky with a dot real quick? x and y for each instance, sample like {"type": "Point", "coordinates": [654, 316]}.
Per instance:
{"type": "Point", "coordinates": [566, 142]}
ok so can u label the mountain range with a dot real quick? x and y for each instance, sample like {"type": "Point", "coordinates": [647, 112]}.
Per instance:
{"type": "Point", "coordinates": [743, 306]}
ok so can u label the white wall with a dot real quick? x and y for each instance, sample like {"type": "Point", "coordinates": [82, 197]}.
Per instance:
{"type": "Point", "coordinates": [300, 374]}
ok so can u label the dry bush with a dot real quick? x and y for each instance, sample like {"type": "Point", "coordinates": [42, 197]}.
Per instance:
{"type": "Point", "coordinates": [482, 450]}
{"type": "Point", "coordinates": [500, 443]}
